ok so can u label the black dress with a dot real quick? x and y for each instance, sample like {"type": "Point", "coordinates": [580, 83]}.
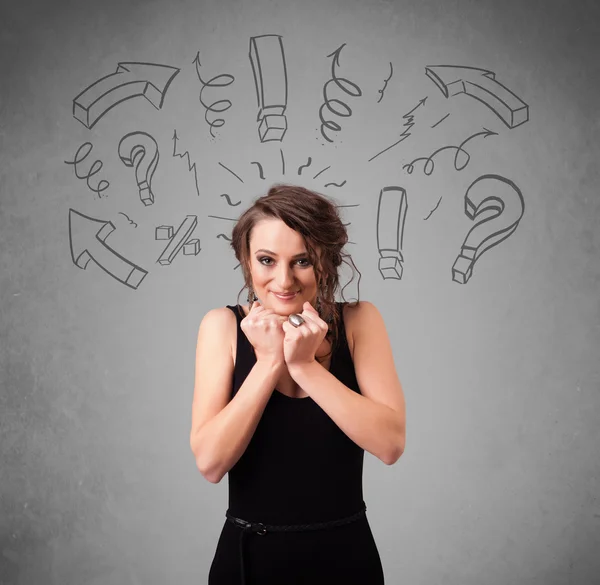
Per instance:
{"type": "Point", "coordinates": [299, 468]}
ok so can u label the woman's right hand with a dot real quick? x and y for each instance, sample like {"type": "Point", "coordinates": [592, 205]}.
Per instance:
{"type": "Point", "coordinates": [263, 328]}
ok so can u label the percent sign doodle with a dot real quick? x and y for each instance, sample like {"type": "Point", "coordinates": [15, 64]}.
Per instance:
{"type": "Point", "coordinates": [500, 202]}
{"type": "Point", "coordinates": [129, 80]}
{"type": "Point", "coordinates": [270, 77]}
{"type": "Point", "coordinates": [140, 150]}
{"type": "Point", "coordinates": [391, 215]}
{"type": "Point", "coordinates": [480, 84]}
{"type": "Point", "coordinates": [180, 239]}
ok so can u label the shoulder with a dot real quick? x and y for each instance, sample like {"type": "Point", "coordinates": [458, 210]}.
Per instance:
{"type": "Point", "coordinates": [221, 323]}
{"type": "Point", "coordinates": [357, 316]}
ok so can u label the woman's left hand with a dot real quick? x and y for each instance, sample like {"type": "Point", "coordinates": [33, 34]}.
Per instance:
{"type": "Point", "coordinates": [301, 343]}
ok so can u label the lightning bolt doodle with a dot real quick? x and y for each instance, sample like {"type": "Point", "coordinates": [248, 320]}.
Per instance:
{"type": "Point", "coordinates": [191, 167]}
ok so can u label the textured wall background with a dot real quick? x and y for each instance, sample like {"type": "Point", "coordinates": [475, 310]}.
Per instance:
{"type": "Point", "coordinates": [99, 308]}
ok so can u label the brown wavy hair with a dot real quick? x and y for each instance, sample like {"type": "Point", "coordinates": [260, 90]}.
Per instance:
{"type": "Point", "coordinates": [316, 218]}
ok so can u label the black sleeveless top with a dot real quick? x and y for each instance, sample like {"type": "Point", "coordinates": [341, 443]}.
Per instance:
{"type": "Point", "coordinates": [299, 466]}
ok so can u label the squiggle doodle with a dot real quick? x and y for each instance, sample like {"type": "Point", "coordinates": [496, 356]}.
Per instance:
{"type": "Point", "coordinates": [335, 184]}
{"type": "Point", "coordinates": [191, 167]}
{"type": "Point", "coordinates": [431, 212]}
{"type": "Point", "coordinates": [94, 169]}
{"type": "Point", "coordinates": [218, 106]}
{"type": "Point", "coordinates": [409, 117]}
{"type": "Point", "coordinates": [429, 165]}
{"type": "Point", "coordinates": [347, 87]}
{"type": "Point", "coordinates": [385, 82]}
{"type": "Point", "coordinates": [229, 200]}
{"type": "Point", "coordinates": [305, 165]}
{"type": "Point", "coordinates": [130, 221]}
{"type": "Point", "coordinates": [224, 236]}
{"type": "Point", "coordinates": [260, 169]}
{"type": "Point", "coordinates": [236, 176]}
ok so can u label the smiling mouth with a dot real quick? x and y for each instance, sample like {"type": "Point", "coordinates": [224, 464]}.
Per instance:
{"type": "Point", "coordinates": [285, 296]}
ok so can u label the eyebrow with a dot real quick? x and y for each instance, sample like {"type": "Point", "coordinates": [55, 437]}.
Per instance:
{"type": "Point", "coordinates": [273, 253]}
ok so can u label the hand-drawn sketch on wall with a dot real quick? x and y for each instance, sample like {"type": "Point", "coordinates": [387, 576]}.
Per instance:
{"type": "Point", "coordinates": [282, 161]}
{"type": "Point", "coordinates": [179, 239]}
{"type": "Point", "coordinates": [347, 86]}
{"type": "Point", "coordinates": [434, 208]}
{"type": "Point", "coordinates": [482, 85]}
{"type": "Point", "coordinates": [336, 184]}
{"type": "Point", "coordinates": [228, 199]}
{"type": "Point", "coordinates": [385, 82]}
{"type": "Point", "coordinates": [130, 80]}
{"type": "Point", "coordinates": [261, 172]}
{"type": "Point", "coordinates": [234, 174]}
{"type": "Point", "coordinates": [131, 222]}
{"type": "Point", "coordinates": [186, 155]}
{"type": "Point", "coordinates": [94, 169]}
{"type": "Point", "coordinates": [140, 150]}
{"type": "Point", "coordinates": [500, 202]}
{"type": "Point", "coordinates": [391, 215]}
{"type": "Point", "coordinates": [410, 122]}
{"type": "Point", "coordinates": [322, 171]}
{"type": "Point", "coordinates": [440, 121]}
{"type": "Point", "coordinates": [215, 107]}
{"type": "Point", "coordinates": [305, 165]}
{"type": "Point", "coordinates": [87, 241]}
{"type": "Point", "coordinates": [429, 165]}
{"type": "Point", "coordinates": [270, 77]}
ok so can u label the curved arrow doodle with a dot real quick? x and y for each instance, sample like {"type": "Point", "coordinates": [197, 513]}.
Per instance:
{"type": "Point", "coordinates": [391, 215]}
{"type": "Point", "coordinates": [87, 241]}
{"type": "Point", "coordinates": [500, 202]}
{"type": "Point", "coordinates": [139, 149]}
{"type": "Point", "coordinates": [429, 165]}
{"type": "Point", "coordinates": [480, 84]}
{"type": "Point", "coordinates": [347, 86]}
{"type": "Point", "coordinates": [130, 80]}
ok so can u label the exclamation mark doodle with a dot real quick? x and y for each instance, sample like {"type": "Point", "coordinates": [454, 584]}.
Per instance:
{"type": "Point", "coordinates": [391, 215]}
{"type": "Point", "coordinates": [270, 76]}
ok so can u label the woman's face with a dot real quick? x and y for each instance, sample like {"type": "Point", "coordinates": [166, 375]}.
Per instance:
{"type": "Point", "coordinates": [279, 264]}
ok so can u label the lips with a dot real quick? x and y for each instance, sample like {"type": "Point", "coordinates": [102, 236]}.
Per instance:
{"type": "Point", "coordinates": [285, 297]}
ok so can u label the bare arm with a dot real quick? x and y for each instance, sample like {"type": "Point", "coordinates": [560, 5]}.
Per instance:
{"type": "Point", "coordinates": [222, 428]}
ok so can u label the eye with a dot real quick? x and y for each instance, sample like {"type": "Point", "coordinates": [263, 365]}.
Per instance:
{"type": "Point", "coordinates": [264, 258]}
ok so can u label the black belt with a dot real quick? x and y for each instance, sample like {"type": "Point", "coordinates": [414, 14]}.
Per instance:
{"type": "Point", "coordinates": [261, 529]}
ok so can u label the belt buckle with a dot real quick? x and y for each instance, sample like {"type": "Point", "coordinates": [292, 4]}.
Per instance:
{"type": "Point", "coordinates": [262, 530]}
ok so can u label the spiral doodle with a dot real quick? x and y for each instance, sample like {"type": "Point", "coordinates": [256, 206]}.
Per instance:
{"type": "Point", "coordinates": [94, 169]}
{"type": "Point", "coordinates": [340, 108]}
{"type": "Point", "coordinates": [218, 106]}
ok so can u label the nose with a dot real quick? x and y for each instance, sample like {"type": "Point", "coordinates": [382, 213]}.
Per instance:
{"type": "Point", "coordinates": [284, 278]}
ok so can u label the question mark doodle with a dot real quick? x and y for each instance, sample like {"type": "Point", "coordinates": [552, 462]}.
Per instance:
{"type": "Point", "coordinates": [391, 215]}
{"type": "Point", "coordinates": [140, 150]}
{"type": "Point", "coordinates": [270, 77]}
{"type": "Point", "coordinates": [501, 204]}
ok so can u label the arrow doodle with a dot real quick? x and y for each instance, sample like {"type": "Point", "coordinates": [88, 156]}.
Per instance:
{"type": "Point", "coordinates": [130, 80]}
{"type": "Point", "coordinates": [480, 84]}
{"type": "Point", "coordinates": [429, 165]}
{"type": "Point", "coordinates": [410, 122]}
{"type": "Point", "coordinates": [87, 241]}
{"type": "Point", "coordinates": [391, 215]}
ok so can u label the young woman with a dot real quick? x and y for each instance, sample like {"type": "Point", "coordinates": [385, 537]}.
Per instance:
{"type": "Point", "coordinates": [290, 391]}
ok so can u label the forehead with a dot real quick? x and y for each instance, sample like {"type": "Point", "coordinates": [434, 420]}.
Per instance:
{"type": "Point", "coordinates": [272, 233]}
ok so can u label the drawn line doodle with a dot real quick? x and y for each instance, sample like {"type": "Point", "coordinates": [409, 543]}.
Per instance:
{"type": "Point", "coordinates": [224, 236]}
{"type": "Point", "coordinates": [480, 84]}
{"type": "Point", "coordinates": [347, 86]}
{"type": "Point", "coordinates": [87, 241]}
{"type": "Point", "coordinates": [228, 169]}
{"type": "Point", "coordinates": [322, 171]}
{"type": "Point", "coordinates": [94, 169]}
{"type": "Point", "coordinates": [409, 117]}
{"type": "Point", "coordinates": [429, 165]}
{"type": "Point", "coordinates": [267, 58]}
{"type": "Point", "coordinates": [302, 167]}
{"type": "Point", "coordinates": [176, 242]}
{"type": "Point", "coordinates": [385, 82]}
{"type": "Point", "coordinates": [431, 212]}
{"type": "Point", "coordinates": [229, 200]}
{"type": "Point", "coordinates": [139, 150]}
{"type": "Point", "coordinates": [220, 105]}
{"type": "Point", "coordinates": [440, 121]}
{"type": "Point", "coordinates": [282, 161]}
{"type": "Point", "coordinates": [130, 220]}
{"type": "Point", "coordinates": [260, 169]}
{"type": "Point", "coordinates": [225, 218]}
{"type": "Point", "coordinates": [130, 80]}
{"type": "Point", "coordinates": [335, 184]}
{"type": "Point", "coordinates": [391, 215]}
{"type": "Point", "coordinates": [501, 205]}
{"type": "Point", "coordinates": [186, 155]}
